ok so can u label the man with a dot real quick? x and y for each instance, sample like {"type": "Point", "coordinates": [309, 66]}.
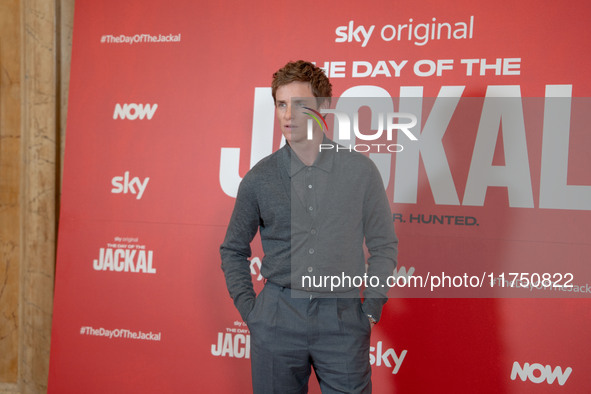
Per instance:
{"type": "Point", "coordinates": [314, 208]}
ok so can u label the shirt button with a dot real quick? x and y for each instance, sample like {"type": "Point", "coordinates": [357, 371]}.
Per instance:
{"type": "Point", "coordinates": [310, 208]}
{"type": "Point", "coordinates": [309, 186]}
{"type": "Point", "coordinates": [311, 251]}
{"type": "Point", "coordinates": [310, 269]}
{"type": "Point", "coordinates": [309, 169]}
{"type": "Point", "coordinates": [313, 231]}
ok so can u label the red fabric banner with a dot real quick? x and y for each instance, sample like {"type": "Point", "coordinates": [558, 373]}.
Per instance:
{"type": "Point", "coordinates": [170, 106]}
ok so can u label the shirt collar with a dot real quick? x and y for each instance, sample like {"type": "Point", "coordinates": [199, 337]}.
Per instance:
{"type": "Point", "coordinates": [324, 160]}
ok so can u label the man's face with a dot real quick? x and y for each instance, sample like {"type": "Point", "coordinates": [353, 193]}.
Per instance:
{"type": "Point", "coordinates": [290, 101]}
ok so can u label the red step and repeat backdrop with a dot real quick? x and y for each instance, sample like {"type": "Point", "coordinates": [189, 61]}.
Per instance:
{"type": "Point", "coordinates": [170, 106]}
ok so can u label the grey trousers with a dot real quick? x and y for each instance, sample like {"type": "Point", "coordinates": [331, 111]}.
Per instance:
{"type": "Point", "coordinates": [289, 335]}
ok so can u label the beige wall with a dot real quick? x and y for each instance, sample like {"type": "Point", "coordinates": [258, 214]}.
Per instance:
{"type": "Point", "coordinates": [35, 44]}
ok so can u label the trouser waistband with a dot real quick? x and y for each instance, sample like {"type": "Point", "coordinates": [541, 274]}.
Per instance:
{"type": "Point", "coordinates": [300, 293]}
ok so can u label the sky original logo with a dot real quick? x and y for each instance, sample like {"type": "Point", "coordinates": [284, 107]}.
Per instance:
{"type": "Point", "coordinates": [134, 111]}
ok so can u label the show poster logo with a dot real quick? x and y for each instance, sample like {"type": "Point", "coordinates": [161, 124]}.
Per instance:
{"type": "Point", "coordinates": [418, 33]}
{"type": "Point", "coordinates": [235, 342]}
{"type": "Point", "coordinates": [125, 254]}
{"type": "Point", "coordinates": [500, 104]}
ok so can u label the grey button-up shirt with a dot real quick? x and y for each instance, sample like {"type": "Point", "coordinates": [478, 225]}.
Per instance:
{"type": "Point", "coordinates": [313, 221]}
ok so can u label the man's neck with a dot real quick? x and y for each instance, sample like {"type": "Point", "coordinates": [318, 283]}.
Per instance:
{"type": "Point", "coordinates": [307, 150]}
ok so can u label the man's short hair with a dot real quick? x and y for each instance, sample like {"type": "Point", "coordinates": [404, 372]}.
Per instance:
{"type": "Point", "coordinates": [302, 71]}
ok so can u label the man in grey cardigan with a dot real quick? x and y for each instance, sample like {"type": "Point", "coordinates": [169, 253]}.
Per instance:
{"type": "Point", "coordinates": [315, 204]}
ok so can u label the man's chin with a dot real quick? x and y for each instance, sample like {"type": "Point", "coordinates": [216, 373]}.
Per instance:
{"type": "Point", "coordinates": [295, 135]}
{"type": "Point", "coordinates": [290, 135]}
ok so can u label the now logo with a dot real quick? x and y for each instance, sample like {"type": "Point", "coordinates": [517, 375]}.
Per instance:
{"type": "Point", "coordinates": [537, 373]}
{"type": "Point", "coordinates": [134, 111]}
{"type": "Point", "coordinates": [402, 276]}
{"type": "Point", "coordinates": [402, 271]}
